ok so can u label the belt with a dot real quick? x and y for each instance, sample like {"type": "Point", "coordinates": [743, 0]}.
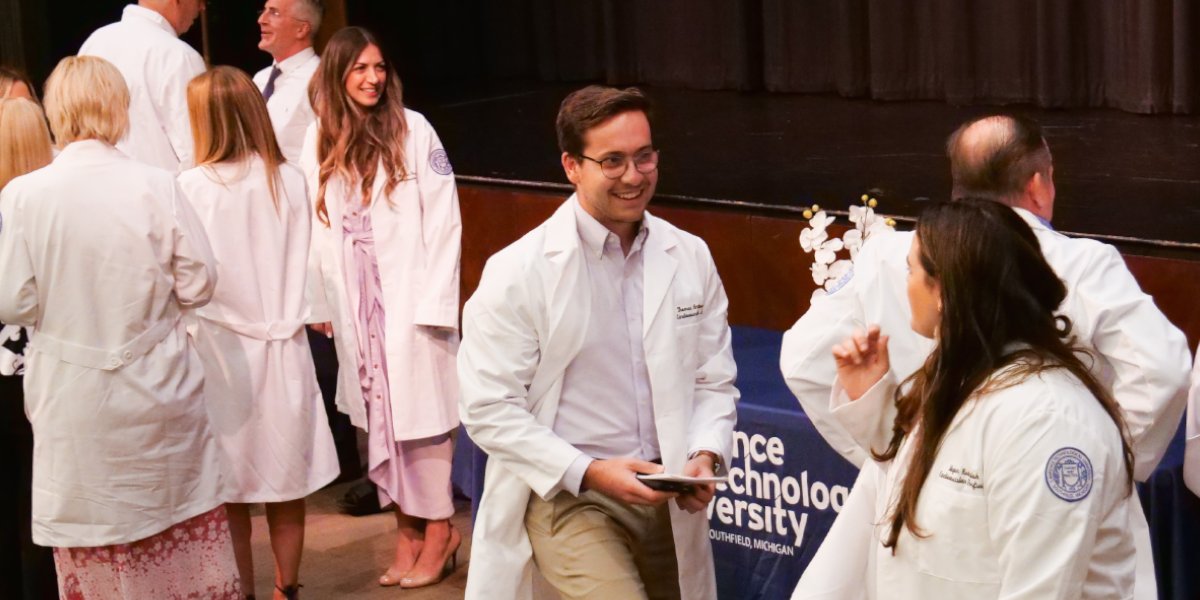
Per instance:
{"type": "Point", "coordinates": [103, 358]}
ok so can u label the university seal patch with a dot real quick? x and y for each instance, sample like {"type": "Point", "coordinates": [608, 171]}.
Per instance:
{"type": "Point", "coordinates": [1069, 474]}
{"type": "Point", "coordinates": [440, 162]}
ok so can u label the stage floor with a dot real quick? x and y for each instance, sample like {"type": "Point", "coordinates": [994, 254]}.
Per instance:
{"type": "Point", "coordinates": [1119, 175]}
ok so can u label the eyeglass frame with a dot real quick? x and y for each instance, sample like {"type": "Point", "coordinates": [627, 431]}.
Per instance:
{"type": "Point", "coordinates": [273, 14]}
{"type": "Point", "coordinates": [626, 160]}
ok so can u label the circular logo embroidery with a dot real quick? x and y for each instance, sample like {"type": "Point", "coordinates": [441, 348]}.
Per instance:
{"type": "Point", "coordinates": [440, 162]}
{"type": "Point", "coordinates": [1069, 474]}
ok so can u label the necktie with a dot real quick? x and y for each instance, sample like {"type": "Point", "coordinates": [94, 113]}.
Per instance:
{"type": "Point", "coordinates": [270, 89]}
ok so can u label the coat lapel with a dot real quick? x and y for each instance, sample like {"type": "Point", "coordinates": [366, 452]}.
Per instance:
{"type": "Point", "coordinates": [658, 270]}
{"type": "Point", "coordinates": [568, 298]}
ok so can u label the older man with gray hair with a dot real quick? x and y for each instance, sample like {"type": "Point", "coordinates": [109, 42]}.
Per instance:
{"type": "Point", "coordinates": [288, 28]}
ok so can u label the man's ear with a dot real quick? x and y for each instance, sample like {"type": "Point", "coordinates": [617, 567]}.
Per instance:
{"type": "Point", "coordinates": [1033, 193]}
{"type": "Point", "coordinates": [571, 167]}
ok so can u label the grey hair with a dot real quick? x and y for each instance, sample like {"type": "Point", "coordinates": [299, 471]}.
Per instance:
{"type": "Point", "coordinates": [311, 12]}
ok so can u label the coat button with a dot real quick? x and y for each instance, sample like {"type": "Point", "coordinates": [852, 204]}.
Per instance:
{"type": "Point", "coordinates": [128, 354]}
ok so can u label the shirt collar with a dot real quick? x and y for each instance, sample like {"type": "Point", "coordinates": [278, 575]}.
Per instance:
{"type": "Point", "coordinates": [1033, 220]}
{"type": "Point", "coordinates": [134, 12]}
{"type": "Point", "coordinates": [594, 235]}
{"type": "Point", "coordinates": [292, 62]}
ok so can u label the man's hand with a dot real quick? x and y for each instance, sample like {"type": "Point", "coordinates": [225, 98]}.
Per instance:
{"type": "Point", "coordinates": [323, 328]}
{"type": "Point", "coordinates": [617, 478]}
{"type": "Point", "coordinates": [698, 498]}
{"type": "Point", "coordinates": [862, 360]}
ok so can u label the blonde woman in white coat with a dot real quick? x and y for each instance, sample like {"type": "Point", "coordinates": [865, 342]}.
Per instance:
{"type": "Point", "coordinates": [99, 254]}
{"type": "Point", "coordinates": [262, 392]}
{"type": "Point", "coordinates": [386, 245]}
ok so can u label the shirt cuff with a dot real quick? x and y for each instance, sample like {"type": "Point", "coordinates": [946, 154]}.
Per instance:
{"type": "Point", "coordinates": [868, 419]}
{"type": "Point", "coordinates": [572, 480]}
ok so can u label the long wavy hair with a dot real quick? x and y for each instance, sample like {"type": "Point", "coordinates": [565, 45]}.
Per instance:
{"type": "Point", "coordinates": [997, 291]}
{"type": "Point", "coordinates": [230, 122]}
{"type": "Point", "coordinates": [353, 140]}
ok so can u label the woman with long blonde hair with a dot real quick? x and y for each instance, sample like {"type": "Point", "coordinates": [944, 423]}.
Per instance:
{"type": "Point", "coordinates": [26, 570]}
{"type": "Point", "coordinates": [386, 246]}
{"type": "Point", "coordinates": [263, 399]}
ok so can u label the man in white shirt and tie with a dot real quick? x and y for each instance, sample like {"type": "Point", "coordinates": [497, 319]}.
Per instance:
{"type": "Point", "coordinates": [157, 66]}
{"type": "Point", "coordinates": [288, 28]}
{"type": "Point", "coordinates": [594, 346]}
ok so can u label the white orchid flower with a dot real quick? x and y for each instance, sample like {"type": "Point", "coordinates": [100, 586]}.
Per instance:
{"type": "Point", "coordinates": [812, 238]}
{"type": "Point", "coordinates": [853, 240]}
{"type": "Point", "coordinates": [827, 251]}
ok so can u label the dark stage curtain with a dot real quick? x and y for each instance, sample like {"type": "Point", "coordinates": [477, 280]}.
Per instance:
{"type": "Point", "coordinates": [1137, 55]}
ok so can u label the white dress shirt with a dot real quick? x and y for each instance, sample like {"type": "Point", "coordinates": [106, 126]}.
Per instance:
{"type": "Point", "coordinates": [291, 114]}
{"type": "Point", "coordinates": [606, 410]}
{"type": "Point", "coordinates": [157, 67]}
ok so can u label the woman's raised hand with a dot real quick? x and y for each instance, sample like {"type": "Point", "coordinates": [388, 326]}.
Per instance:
{"type": "Point", "coordinates": [862, 360]}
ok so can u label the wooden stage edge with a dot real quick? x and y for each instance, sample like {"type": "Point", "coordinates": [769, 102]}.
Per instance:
{"type": "Point", "coordinates": [758, 255]}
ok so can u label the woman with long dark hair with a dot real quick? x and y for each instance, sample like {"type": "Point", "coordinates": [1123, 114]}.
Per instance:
{"type": "Point", "coordinates": [386, 246]}
{"type": "Point", "coordinates": [1005, 467]}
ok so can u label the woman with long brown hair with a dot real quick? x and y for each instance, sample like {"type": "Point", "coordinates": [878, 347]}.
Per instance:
{"type": "Point", "coordinates": [1005, 467]}
{"type": "Point", "coordinates": [386, 248]}
{"type": "Point", "coordinates": [263, 399]}
{"type": "Point", "coordinates": [26, 569]}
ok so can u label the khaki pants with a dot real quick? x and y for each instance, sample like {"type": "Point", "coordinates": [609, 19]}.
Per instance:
{"type": "Point", "coordinates": [596, 548]}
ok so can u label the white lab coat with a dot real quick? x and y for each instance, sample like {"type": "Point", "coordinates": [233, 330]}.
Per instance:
{"type": "Point", "coordinates": [418, 234]}
{"type": "Point", "coordinates": [261, 386]}
{"type": "Point", "coordinates": [157, 67]}
{"type": "Point", "coordinates": [999, 519]}
{"type": "Point", "coordinates": [1142, 356]}
{"type": "Point", "coordinates": [99, 253]}
{"type": "Point", "coordinates": [291, 113]}
{"type": "Point", "coordinates": [1191, 450]}
{"type": "Point", "coordinates": [525, 324]}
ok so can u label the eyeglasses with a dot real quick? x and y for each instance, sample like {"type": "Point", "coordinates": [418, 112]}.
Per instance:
{"type": "Point", "coordinates": [274, 14]}
{"type": "Point", "coordinates": [614, 166]}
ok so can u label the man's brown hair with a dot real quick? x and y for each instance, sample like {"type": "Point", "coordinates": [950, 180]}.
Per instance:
{"type": "Point", "coordinates": [584, 109]}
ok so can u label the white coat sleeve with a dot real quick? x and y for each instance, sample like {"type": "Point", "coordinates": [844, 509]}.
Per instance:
{"type": "Point", "coordinates": [18, 288]}
{"type": "Point", "coordinates": [1191, 451]}
{"type": "Point", "coordinates": [193, 264]}
{"type": "Point", "coordinates": [870, 419]}
{"type": "Point", "coordinates": [169, 94]}
{"type": "Point", "coordinates": [806, 360]}
{"type": "Point", "coordinates": [839, 570]}
{"type": "Point", "coordinates": [441, 229]}
{"type": "Point", "coordinates": [318, 303]}
{"type": "Point", "coordinates": [497, 360]}
{"type": "Point", "coordinates": [714, 401]}
{"type": "Point", "coordinates": [1149, 356]}
{"type": "Point", "coordinates": [1045, 535]}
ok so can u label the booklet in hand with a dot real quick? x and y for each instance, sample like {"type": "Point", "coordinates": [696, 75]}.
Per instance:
{"type": "Point", "coordinates": [676, 483]}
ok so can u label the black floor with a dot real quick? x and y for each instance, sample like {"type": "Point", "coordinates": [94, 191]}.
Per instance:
{"type": "Point", "coordinates": [1118, 174]}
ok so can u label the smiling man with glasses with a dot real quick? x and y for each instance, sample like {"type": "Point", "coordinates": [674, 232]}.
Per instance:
{"type": "Point", "coordinates": [597, 348]}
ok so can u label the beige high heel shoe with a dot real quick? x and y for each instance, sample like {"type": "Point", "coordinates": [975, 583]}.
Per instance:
{"type": "Point", "coordinates": [449, 564]}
